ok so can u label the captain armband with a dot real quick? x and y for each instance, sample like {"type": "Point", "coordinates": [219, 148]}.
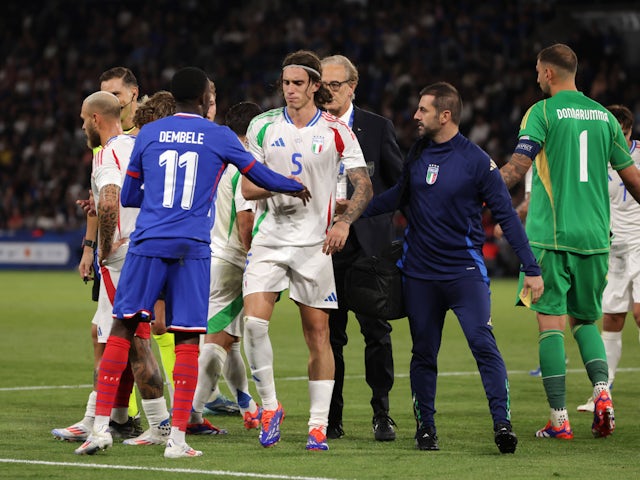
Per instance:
{"type": "Point", "coordinates": [528, 148]}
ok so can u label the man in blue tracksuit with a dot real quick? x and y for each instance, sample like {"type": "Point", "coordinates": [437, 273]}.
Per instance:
{"type": "Point", "coordinates": [446, 182]}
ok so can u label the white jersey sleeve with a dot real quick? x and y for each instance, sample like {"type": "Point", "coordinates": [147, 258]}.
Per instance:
{"type": "Point", "coordinates": [625, 211]}
{"type": "Point", "coordinates": [225, 236]}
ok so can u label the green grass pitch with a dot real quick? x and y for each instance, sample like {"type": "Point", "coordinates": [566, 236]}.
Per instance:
{"type": "Point", "coordinates": [46, 364]}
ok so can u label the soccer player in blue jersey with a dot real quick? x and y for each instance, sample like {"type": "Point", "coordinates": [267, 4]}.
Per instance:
{"type": "Point", "coordinates": [447, 180]}
{"type": "Point", "coordinates": [173, 174]}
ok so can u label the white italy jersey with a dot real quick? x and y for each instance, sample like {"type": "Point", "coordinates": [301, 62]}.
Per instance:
{"type": "Point", "coordinates": [625, 211]}
{"type": "Point", "coordinates": [109, 168]}
{"type": "Point", "coordinates": [225, 237]}
{"type": "Point", "coordinates": [312, 153]}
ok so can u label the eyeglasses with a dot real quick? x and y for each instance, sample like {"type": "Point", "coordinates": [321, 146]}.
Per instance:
{"type": "Point", "coordinates": [335, 86]}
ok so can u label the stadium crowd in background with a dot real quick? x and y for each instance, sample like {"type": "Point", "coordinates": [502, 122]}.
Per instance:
{"type": "Point", "coordinates": [50, 56]}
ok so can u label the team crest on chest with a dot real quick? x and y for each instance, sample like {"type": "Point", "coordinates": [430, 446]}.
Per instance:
{"type": "Point", "coordinates": [432, 174]}
{"type": "Point", "coordinates": [317, 144]}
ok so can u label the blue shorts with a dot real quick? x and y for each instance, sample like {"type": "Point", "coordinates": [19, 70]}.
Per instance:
{"type": "Point", "coordinates": [185, 283]}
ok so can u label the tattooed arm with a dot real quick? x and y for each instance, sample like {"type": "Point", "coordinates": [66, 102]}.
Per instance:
{"type": "Point", "coordinates": [515, 169]}
{"type": "Point", "coordinates": [108, 211]}
{"type": "Point", "coordinates": [362, 194]}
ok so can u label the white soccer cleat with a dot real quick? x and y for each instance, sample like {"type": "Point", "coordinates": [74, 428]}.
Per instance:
{"type": "Point", "coordinates": [587, 407]}
{"type": "Point", "coordinates": [78, 432]}
{"type": "Point", "coordinates": [153, 436]}
{"type": "Point", "coordinates": [180, 450]}
{"type": "Point", "coordinates": [97, 440]}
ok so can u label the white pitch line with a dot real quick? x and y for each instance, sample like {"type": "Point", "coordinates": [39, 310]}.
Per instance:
{"type": "Point", "coordinates": [158, 469]}
{"type": "Point", "coordinates": [347, 377]}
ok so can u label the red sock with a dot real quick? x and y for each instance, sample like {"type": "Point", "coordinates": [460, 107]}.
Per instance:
{"type": "Point", "coordinates": [185, 378]}
{"type": "Point", "coordinates": [124, 388]}
{"type": "Point", "coordinates": [114, 361]}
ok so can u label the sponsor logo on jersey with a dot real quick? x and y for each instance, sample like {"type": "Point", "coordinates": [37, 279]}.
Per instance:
{"type": "Point", "coordinates": [278, 143]}
{"type": "Point", "coordinates": [492, 165]}
{"type": "Point", "coordinates": [317, 144]}
{"type": "Point", "coordinates": [432, 174]}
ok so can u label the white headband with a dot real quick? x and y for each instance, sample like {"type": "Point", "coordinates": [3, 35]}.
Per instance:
{"type": "Point", "coordinates": [308, 69]}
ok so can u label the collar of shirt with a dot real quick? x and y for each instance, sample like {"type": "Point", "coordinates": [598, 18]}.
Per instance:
{"type": "Point", "coordinates": [347, 117]}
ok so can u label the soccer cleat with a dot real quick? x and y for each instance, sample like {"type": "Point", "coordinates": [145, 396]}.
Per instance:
{"type": "Point", "coordinates": [179, 450]}
{"type": "Point", "coordinates": [426, 438]}
{"type": "Point", "coordinates": [549, 431]}
{"type": "Point", "coordinates": [535, 372]}
{"type": "Point", "coordinates": [383, 430]}
{"type": "Point", "coordinates": [317, 440]}
{"type": "Point", "coordinates": [335, 431]}
{"type": "Point", "coordinates": [97, 440]}
{"type": "Point", "coordinates": [505, 439]}
{"type": "Point", "coordinates": [270, 426]}
{"type": "Point", "coordinates": [603, 417]}
{"type": "Point", "coordinates": [252, 420]}
{"type": "Point", "coordinates": [153, 436]}
{"type": "Point", "coordinates": [204, 428]}
{"type": "Point", "coordinates": [129, 429]}
{"type": "Point", "coordinates": [221, 405]}
{"type": "Point", "coordinates": [78, 432]}
{"type": "Point", "coordinates": [587, 406]}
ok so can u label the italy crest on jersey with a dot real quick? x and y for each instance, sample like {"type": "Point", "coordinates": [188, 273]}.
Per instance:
{"type": "Point", "coordinates": [317, 144]}
{"type": "Point", "coordinates": [432, 174]}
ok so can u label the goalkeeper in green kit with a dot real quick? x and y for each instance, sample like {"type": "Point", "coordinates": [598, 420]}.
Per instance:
{"type": "Point", "coordinates": [570, 139]}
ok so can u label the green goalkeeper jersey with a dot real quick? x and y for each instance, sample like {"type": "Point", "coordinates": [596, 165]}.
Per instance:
{"type": "Point", "coordinates": [569, 206]}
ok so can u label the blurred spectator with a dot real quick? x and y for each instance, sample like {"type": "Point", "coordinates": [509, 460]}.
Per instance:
{"type": "Point", "coordinates": [52, 52]}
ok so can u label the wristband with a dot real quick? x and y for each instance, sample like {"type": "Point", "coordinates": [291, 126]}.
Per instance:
{"type": "Point", "coordinates": [89, 243]}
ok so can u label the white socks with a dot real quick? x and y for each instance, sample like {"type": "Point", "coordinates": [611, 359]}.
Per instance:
{"type": "Point", "coordinates": [257, 347]}
{"type": "Point", "coordinates": [90, 412]}
{"type": "Point", "coordinates": [155, 410]}
{"type": "Point", "coordinates": [235, 374]}
{"type": "Point", "coordinates": [210, 363]}
{"type": "Point", "coordinates": [320, 392]}
{"type": "Point", "coordinates": [613, 348]}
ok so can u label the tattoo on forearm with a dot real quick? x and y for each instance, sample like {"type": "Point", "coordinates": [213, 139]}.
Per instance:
{"type": "Point", "coordinates": [108, 211]}
{"type": "Point", "coordinates": [515, 170]}
{"type": "Point", "coordinates": [362, 193]}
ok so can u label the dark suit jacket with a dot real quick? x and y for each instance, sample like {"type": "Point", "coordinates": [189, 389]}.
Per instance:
{"type": "Point", "coordinates": [377, 139]}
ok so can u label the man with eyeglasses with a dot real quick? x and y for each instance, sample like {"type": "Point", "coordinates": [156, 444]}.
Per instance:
{"type": "Point", "coordinates": [368, 236]}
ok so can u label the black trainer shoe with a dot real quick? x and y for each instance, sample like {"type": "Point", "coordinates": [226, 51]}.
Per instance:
{"type": "Point", "coordinates": [426, 438]}
{"type": "Point", "coordinates": [383, 430]}
{"type": "Point", "coordinates": [335, 431]}
{"type": "Point", "coordinates": [129, 429]}
{"type": "Point", "coordinates": [505, 439]}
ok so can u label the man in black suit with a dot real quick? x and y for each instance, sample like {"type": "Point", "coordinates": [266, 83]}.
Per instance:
{"type": "Point", "coordinates": [368, 236]}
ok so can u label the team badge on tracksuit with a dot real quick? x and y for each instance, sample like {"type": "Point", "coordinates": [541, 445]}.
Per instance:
{"type": "Point", "coordinates": [432, 174]}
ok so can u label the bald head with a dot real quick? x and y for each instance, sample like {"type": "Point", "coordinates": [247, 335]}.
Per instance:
{"type": "Point", "coordinates": [105, 103]}
{"type": "Point", "coordinates": [100, 118]}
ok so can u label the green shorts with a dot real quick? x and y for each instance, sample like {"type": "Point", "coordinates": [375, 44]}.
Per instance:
{"type": "Point", "coordinates": [573, 283]}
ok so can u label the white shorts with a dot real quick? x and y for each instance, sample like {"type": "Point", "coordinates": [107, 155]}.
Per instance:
{"type": "Point", "coordinates": [305, 271]}
{"type": "Point", "coordinates": [225, 298]}
{"type": "Point", "coordinates": [103, 317]}
{"type": "Point", "coordinates": [623, 282]}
